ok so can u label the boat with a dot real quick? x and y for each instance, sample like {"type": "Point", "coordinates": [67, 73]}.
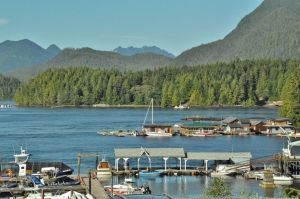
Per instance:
{"type": "Point", "coordinates": [120, 189]}
{"type": "Point", "coordinates": [181, 107]}
{"type": "Point", "coordinates": [150, 173]}
{"type": "Point", "coordinates": [223, 170]}
{"type": "Point", "coordinates": [155, 130]}
{"type": "Point", "coordinates": [280, 179]}
{"type": "Point", "coordinates": [104, 169]}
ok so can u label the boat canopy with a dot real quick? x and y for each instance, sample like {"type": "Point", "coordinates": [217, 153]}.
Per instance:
{"type": "Point", "coordinates": [296, 143]}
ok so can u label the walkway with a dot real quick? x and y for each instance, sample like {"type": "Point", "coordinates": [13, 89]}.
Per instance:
{"type": "Point", "coordinates": [97, 188]}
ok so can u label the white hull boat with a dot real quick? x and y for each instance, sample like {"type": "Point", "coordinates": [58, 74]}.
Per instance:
{"type": "Point", "coordinates": [156, 134]}
{"type": "Point", "coordinates": [104, 169]}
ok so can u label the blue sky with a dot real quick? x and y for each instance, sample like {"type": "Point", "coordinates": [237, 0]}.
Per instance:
{"type": "Point", "coordinates": [175, 25]}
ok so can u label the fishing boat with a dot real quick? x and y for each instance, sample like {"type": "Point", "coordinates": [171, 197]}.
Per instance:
{"type": "Point", "coordinates": [104, 169]}
{"type": "Point", "coordinates": [156, 130]}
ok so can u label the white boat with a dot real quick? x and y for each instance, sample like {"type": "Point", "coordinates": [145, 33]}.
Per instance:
{"type": "Point", "coordinates": [155, 130]}
{"type": "Point", "coordinates": [104, 169]}
{"type": "Point", "coordinates": [181, 107]}
{"type": "Point", "coordinates": [223, 170]}
{"type": "Point", "coordinates": [283, 179]}
{"type": "Point", "coordinates": [120, 189]}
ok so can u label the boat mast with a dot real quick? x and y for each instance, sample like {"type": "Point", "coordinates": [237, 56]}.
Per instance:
{"type": "Point", "coordinates": [152, 110]}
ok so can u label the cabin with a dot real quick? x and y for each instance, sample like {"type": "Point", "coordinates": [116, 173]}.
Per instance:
{"type": "Point", "coordinates": [158, 128]}
{"type": "Point", "coordinates": [279, 126]}
{"type": "Point", "coordinates": [234, 128]}
{"type": "Point", "coordinates": [257, 126]}
{"type": "Point", "coordinates": [278, 122]}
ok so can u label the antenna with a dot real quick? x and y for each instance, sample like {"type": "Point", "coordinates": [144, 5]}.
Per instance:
{"type": "Point", "coordinates": [14, 149]}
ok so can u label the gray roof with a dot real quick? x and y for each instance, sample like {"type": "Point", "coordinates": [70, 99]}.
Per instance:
{"type": "Point", "coordinates": [153, 152]}
{"type": "Point", "coordinates": [228, 120]}
{"type": "Point", "coordinates": [217, 155]}
{"type": "Point", "coordinates": [255, 122]}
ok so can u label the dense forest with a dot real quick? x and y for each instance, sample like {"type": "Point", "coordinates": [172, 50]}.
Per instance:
{"type": "Point", "coordinates": [291, 98]}
{"type": "Point", "coordinates": [235, 83]}
{"type": "Point", "coordinates": [8, 87]}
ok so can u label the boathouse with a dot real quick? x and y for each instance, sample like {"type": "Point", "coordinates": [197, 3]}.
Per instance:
{"type": "Point", "coordinates": [150, 153]}
{"type": "Point", "coordinates": [242, 159]}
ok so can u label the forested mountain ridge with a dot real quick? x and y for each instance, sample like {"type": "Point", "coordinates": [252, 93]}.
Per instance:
{"type": "Point", "coordinates": [23, 53]}
{"type": "Point", "coordinates": [71, 57]}
{"type": "Point", "coordinates": [145, 49]}
{"type": "Point", "coordinates": [271, 31]}
{"type": "Point", "coordinates": [8, 87]}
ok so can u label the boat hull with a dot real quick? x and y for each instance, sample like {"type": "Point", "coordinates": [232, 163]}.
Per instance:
{"type": "Point", "coordinates": [154, 134]}
{"type": "Point", "coordinates": [150, 173]}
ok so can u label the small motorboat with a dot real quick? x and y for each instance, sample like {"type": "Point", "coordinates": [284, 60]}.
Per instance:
{"type": "Point", "coordinates": [129, 180]}
{"type": "Point", "coordinates": [104, 169]}
{"type": "Point", "coordinates": [150, 173]}
{"type": "Point", "coordinates": [223, 170]}
{"type": "Point", "coordinates": [283, 179]}
{"type": "Point", "coordinates": [120, 189]}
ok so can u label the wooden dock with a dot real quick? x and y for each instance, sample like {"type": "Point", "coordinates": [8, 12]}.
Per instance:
{"type": "Point", "coordinates": [97, 189]}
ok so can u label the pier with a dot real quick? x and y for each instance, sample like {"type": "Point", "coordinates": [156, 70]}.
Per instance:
{"type": "Point", "coordinates": [95, 188]}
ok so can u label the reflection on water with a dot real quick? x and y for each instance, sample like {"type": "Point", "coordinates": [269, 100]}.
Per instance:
{"type": "Point", "coordinates": [194, 186]}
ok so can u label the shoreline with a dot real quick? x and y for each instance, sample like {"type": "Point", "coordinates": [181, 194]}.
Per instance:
{"type": "Point", "coordinates": [145, 106]}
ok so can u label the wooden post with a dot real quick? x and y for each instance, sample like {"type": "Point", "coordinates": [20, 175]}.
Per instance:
{"type": "Point", "coordinates": [90, 183]}
{"type": "Point", "coordinates": [78, 166]}
{"type": "Point", "coordinates": [42, 194]}
{"type": "Point", "coordinates": [97, 160]}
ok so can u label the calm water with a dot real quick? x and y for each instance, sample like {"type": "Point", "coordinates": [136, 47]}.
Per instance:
{"type": "Point", "coordinates": [59, 134]}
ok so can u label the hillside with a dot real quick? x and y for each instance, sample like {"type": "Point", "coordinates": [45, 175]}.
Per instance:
{"type": "Point", "coordinates": [145, 49]}
{"type": "Point", "coordinates": [23, 53]}
{"type": "Point", "coordinates": [95, 59]}
{"type": "Point", "coordinates": [271, 31]}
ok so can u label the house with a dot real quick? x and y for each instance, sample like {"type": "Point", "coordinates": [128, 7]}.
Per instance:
{"type": "Point", "coordinates": [257, 126]}
{"type": "Point", "coordinates": [279, 126]}
{"type": "Point", "coordinates": [278, 122]}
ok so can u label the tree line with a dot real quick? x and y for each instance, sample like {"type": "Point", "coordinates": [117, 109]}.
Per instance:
{"type": "Point", "coordinates": [235, 83]}
{"type": "Point", "coordinates": [8, 87]}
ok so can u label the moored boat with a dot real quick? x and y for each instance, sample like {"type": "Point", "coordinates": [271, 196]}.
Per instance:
{"type": "Point", "coordinates": [156, 130]}
{"type": "Point", "coordinates": [104, 169]}
{"type": "Point", "coordinates": [150, 173]}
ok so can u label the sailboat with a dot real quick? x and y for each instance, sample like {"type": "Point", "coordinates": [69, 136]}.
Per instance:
{"type": "Point", "coordinates": [155, 130]}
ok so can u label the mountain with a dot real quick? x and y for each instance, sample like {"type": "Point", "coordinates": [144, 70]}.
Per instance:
{"type": "Point", "coordinates": [271, 31]}
{"type": "Point", "coordinates": [145, 49]}
{"type": "Point", "coordinates": [71, 57]}
{"type": "Point", "coordinates": [23, 53]}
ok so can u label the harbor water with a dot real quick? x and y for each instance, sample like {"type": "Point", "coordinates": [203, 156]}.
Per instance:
{"type": "Point", "coordinates": [59, 134]}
